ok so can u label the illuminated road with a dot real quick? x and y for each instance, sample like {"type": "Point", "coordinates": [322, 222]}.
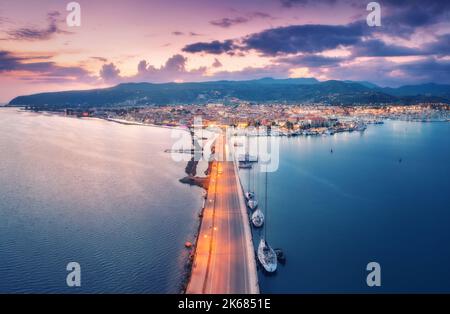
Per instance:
{"type": "Point", "coordinates": [224, 259]}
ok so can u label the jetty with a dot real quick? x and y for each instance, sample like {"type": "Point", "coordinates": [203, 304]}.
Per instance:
{"type": "Point", "coordinates": [224, 259]}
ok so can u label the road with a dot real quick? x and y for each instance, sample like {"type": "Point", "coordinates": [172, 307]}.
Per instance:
{"type": "Point", "coordinates": [224, 259]}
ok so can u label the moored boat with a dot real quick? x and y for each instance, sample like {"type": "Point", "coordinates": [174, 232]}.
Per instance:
{"type": "Point", "coordinates": [252, 203]}
{"type": "Point", "coordinates": [245, 165]}
{"type": "Point", "coordinates": [258, 218]}
{"type": "Point", "coordinates": [267, 256]}
{"type": "Point", "coordinates": [249, 195]}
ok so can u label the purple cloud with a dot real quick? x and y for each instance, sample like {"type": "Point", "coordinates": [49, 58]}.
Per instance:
{"type": "Point", "coordinates": [291, 3]}
{"type": "Point", "coordinates": [32, 33]}
{"type": "Point", "coordinates": [9, 62]}
{"type": "Point", "coordinates": [311, 60]}
{"type": "Point", "coordinates": [214, 47]}
{"type": "Point", "coordinates": [387, 73]}
{"type": "Point", "coordinates": [48, 71]}
{"type": "Point", "coordinates": [173, 70]}
{"type": "Point", "coordinates": [101, 59]}
{"type": "Point", "coordinates": [441, 46]}
{"type": "Point", "coordinates": [377, 48]}
{"type": "Point", "coordinates": [110, 73]}
{"type": "Point", "coordinates": [304, 38]}
{"type": "Point", "coordinates": [228, 22]}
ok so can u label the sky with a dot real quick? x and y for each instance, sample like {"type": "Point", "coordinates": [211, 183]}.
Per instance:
{"type": "Point", "coordinates": [202, 40]}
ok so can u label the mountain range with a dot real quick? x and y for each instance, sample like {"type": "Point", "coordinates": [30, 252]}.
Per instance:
{"type": "Point", "coordinates": [265, 90]}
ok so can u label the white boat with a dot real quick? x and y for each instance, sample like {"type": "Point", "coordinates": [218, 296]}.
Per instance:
{"type": "Point", "coordinates": [258, 218]}
{"type": "Point", "coordinates": [361, 127]}
{"type": "Point", "coordinates": [249, 195]}
{"type": "Point", "coordinates": [247, 158]}
{"type": "Point", "coordinates": [252, 203]}
{"type": "Point", "coordinates": [245, 165]}
{"type": "Point", "coordinates": [267, 256]}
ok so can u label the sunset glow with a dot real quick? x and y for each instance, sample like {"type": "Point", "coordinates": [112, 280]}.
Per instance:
{"type": "Point", "coordinates": [198, 40]}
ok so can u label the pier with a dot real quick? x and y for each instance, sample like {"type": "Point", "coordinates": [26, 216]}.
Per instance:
{"type": "Point", "coordinates": [224, 260]}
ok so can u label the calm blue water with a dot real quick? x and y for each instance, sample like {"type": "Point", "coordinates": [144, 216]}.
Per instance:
{"type": "Point", "coordinates": [334, 213]}
{"type": "Point", "coordinates": [107, 196]}
{"type": "Point", "coordinates": [102, 194]}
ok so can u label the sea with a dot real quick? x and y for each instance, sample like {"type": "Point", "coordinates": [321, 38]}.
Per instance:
{"type": "Point", "coordinates": [337, 203]}
{"type": "Point", "coordinates": [98, 193]}
{"type": "Point", "coordinates": [108, 196]}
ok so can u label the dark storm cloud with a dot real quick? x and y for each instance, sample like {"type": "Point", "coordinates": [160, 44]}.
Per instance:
{"type": "Point", "coordinates": [428, 70]}
{"type": "Point", "coordinates": [399, 17]}
{"type": "Point", "coordinates": [288, 40]}
{"type": "Point", "coordinates": [441, 46]}
{"type": "Point", "coordinates": [304, 38]}
{"type": "Point", "coordinates": [403, 17]}
{"type": "Point", "coordinates": [433, 5]}
{"type": "Point", "coordinates": [34, 33]}
{"type": "Point", "coordinates": [214, 47]}
{"type": "Point", "coordinates": [311, 60]}
{"type": "Point", "coordinates": [12, 62]}
{"type": "Point", "coordinates": [8, 62]}
{"type": "Point", "coordinates": [377, 48]}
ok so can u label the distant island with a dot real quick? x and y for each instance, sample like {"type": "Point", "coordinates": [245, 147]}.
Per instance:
{"type": "Point", "coordinates": [265, 90]}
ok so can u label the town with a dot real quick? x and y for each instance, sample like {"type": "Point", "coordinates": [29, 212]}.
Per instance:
{"type": "Point", "coordinates": [287, 120]}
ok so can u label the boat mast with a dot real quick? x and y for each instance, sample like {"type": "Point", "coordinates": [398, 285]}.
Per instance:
{"type": "Point", "coordinates": [256, 173]}
{"type": "Point", "coordinates": [266, 206]}
{"type": "Point", "coordinates": [247, 152]}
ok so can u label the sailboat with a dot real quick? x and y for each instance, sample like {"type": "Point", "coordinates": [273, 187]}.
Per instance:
{"type": "Point", "coordinates": [249, 195]}
{"type": "Point", "coordinates": [266, 255]}
{"type": "Point", "coordinates": [252, 203]}
{"type": "Point", "coordinates": [257, 218]}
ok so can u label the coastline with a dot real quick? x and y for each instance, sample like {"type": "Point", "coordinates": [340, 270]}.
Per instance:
{"type": "Point", "coordinates": [119, 121]}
